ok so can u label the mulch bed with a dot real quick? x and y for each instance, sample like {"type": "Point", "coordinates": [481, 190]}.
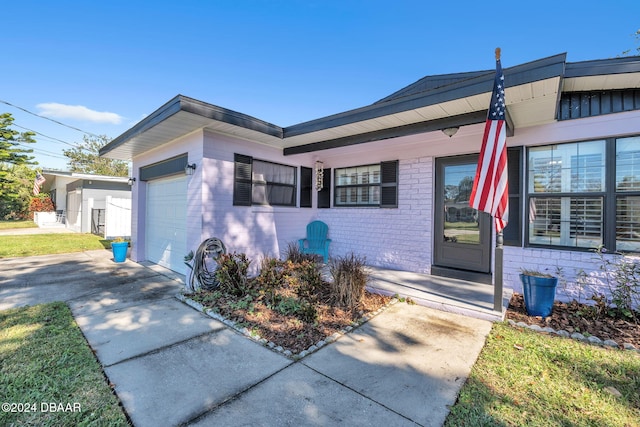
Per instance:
{"type": "Point", "coordinates": [290, 332]}
{"type": "Point", "coordinates": [576, 317]}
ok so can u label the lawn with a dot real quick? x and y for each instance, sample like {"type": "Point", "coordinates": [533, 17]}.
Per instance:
{"type": "Point", "coordinates": [7, 225]}
{"type": "Point", "coordinates": [526, 378]}
{"type": "Point", "coordinates": [46, 364]}
{"type": "Point", "coordinates": [44, 244]}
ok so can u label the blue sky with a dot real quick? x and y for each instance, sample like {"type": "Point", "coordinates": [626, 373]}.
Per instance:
{"type": "Point", "coordinates": [102, 66]}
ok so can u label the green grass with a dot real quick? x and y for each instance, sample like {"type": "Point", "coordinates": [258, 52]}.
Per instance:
{"type": "Point", "coordinates": [527, 378]}
{"type": "Point", "coordinates": [8, 225]}
{"type": "Point", "coordinates": [44, 244]}
{"type": "Point", "coordinates": [45, 359]}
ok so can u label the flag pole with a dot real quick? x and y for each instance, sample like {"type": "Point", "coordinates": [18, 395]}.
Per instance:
{"type": "Point", "coordinates": [499, 266]}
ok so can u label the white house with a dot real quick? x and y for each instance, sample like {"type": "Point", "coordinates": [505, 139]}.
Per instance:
{"type": "Point", "coordinates": [395, 186]}
{"type": "Point", "coordinates": [88, 203]}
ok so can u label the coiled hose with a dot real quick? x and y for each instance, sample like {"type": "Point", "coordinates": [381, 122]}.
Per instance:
{"type": "Point", "coordinates": [203, 275]}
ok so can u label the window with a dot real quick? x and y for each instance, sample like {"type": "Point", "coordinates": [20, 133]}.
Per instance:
{"type": "Point", "coordinates": [370, 185]}
{"type": "Point", "coordinates": [571, 186]}
{"type": "Point", "coordinates": [627, 187]}
{"type": "Point", "coordinates": [259, 182]}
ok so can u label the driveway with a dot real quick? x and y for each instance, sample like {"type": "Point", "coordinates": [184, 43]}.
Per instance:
{"type": "Point", "coordinates": [173, 365]}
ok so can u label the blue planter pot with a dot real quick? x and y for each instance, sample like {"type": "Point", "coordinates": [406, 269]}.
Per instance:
{"type": "Point", "coordinates": [539, 294]}
{"type": "Point", "coordinates": [119, 251]}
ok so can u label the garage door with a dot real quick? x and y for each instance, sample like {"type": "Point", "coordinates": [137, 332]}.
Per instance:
{"type": "Point", "coordinates": [166, 223]}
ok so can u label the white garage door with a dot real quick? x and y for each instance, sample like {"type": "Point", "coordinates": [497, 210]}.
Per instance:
{"type": "Point", "coordinates": [166, 222]}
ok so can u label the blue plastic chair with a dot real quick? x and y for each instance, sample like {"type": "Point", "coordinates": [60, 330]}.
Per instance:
{"type": "Point", "coordinates": [316, 241]}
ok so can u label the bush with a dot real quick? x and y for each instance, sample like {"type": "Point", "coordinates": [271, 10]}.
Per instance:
{"type": "Point", "coordinates": [295, 255]}
{"type": "Point", "coordinates": [349, 279]}
{"type": "Point", "coordinates": [309, 275]}
{"type": "Point", "coordinates": [623, 278]}
{"type": "Point", "coordinates": [272, 276]}
{"type": "Point", "coordinates": [41, 203]}
{"type": "Point", "coordinates": [300, 308]}
{"type": "Point", "coordinates": [232, 273]}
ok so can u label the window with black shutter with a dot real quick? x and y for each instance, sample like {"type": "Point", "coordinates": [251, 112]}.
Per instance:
{"type": "Point", "coordinates": [367, 185]}
{"type": "Point", "coordinates": [259, 182]}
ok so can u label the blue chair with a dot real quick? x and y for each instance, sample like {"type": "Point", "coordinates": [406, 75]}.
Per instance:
{"type": "Point", "coordinates": [316, 241]}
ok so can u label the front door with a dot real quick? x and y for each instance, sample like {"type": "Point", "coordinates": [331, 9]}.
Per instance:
{"type": "Point", "coordinates": [462, 234]}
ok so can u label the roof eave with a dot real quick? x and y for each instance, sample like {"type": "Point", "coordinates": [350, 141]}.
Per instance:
{"type": "Point", "coordinates": [202, 109]}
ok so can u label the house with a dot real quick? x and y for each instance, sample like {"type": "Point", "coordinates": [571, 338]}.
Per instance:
{"type": "Point", "coordinates": [394, 177]}
{"type": "Point", "coordinates": [88, 203]}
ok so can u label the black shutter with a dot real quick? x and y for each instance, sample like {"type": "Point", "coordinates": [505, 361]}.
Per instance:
{"type": "Point", "coordinates": [242, 180]}
{"type": "Point", "coordinates": [513, 231]}
{"type": "Point", "coordinates": [306, 187]}
{"type": "Point", "coordinates": [389, 184]}
{"type": "Point", "coordinates": [324, 195]}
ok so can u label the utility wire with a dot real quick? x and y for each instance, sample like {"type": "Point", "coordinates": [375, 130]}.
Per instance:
{"type": "Point", "coordinates": [49, 137]}
{"type": "Point", "coordinates": [39, 150]}
{"type": "Point", "coordinates": [47, 118]}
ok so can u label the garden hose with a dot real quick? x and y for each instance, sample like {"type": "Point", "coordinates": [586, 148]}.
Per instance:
{"type": "Point", "coordinates": [205, 275]}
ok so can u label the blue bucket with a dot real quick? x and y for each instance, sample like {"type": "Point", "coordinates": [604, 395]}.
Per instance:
{"type": "Point", "coordinates": [119, 251]}
{"type": "Point", "coordinates": [539, 294]}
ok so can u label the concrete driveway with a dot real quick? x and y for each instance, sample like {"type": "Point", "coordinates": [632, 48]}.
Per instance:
{"type": "Point", "coordinates": [173, 365]}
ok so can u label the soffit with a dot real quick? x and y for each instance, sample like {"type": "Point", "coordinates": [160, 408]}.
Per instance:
{"type": "Point", "coordinates": [602, 82]}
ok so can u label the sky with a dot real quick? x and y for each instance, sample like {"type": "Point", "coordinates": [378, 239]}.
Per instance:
{"type": "Point", "coordinates": [76, 68]}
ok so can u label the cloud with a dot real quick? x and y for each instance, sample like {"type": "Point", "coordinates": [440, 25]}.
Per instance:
{"type": "Point", "coordinates": [78, 112]}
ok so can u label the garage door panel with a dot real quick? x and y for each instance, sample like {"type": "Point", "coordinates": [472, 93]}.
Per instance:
{"type": "Point", "coordinates": [166, 222]}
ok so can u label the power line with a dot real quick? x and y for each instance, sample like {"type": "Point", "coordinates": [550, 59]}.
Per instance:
{"type": "Point", "coordinates": [47, 118]}
{"type": "Point", "coordinates": [39, 150]}
{"type": "Point", "coordinates": [49, 137]}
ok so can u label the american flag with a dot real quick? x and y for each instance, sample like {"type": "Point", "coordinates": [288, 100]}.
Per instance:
{"type": "Point", "coordinates": [37, 183]}
{"type": "Point", "coordinates": [490, 187]}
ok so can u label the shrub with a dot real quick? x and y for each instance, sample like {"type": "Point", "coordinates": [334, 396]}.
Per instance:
{"type": "Point", "coordinates": [300, 308]}
{"type": "Point", "coordinates": [271, 277]}
{"type": "Point", "coordinates": [41, 203]}
{"type": "Point", "coordinates": [623, 278]}
{"type": "Point", "coordinates": [349, 279]}
{"type": "Point", "coordinates": [295, 255]}
{"type": "Point", "coordinates": [232, 273]}
{"type": "Point", "coordinates": [310, 283]}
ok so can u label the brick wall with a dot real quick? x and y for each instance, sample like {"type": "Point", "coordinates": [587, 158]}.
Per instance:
{"type": "Point", "coordinates": [393, 238]}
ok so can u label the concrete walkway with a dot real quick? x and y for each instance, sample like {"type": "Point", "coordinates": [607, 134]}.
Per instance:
{"type": "Point", "coordinates": [172, 365]}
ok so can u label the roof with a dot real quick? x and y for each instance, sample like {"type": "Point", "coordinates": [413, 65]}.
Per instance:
{"type": "Point", "coordinates": [432, 103]}
{"type": "Point", "coordinates": [87, 176]}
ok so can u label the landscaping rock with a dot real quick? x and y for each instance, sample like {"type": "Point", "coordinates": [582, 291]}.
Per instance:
{"type": "Point", "coordinates": [578, 336]}
{"type": "Point", "coordinates": [628, 346]}
{"type": "Point", "coordinates": [611, 343]}
{"type": "Point", "coordinates": [563, 333]}
{"type": "Point", "coordinates": [594, 340]}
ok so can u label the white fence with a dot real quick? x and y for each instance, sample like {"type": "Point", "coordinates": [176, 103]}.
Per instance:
{"type": "Point", "coordinates": [117, 222]}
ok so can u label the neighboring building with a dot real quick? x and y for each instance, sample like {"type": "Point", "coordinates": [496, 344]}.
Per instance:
{"type": "Point", "coordinates": [89, 203]}
{"type": "Point", "coordinates": [395, 187]}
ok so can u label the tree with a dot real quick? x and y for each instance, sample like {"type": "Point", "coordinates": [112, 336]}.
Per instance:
{"type": "Point", "coordinates": [635, 51]}
{"type": "Point", "coordinates": [10, 141]}
{"type": "Point", "coordinates": [15, 176]}
{"type": "Point", "coordinates": [85, 158]}
{"type": "Point", "coordinates": [16, 186]}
